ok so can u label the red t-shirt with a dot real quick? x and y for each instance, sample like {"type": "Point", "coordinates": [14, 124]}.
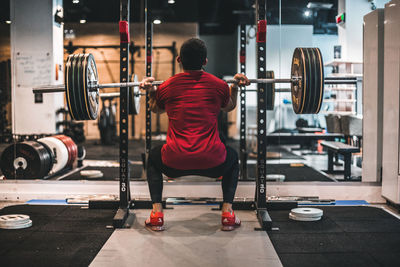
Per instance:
{"type": "Point", "coordinates": [193, 100]}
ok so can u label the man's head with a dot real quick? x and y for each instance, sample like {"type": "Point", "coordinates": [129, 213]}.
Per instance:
{"type": "Point", "coordinates": [193, 54]}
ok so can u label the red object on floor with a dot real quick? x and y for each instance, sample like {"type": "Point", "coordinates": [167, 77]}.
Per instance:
{"type": "Point", "coordinates": [156, 221]}
{"type": "Point", "coordinates": [229, 221]}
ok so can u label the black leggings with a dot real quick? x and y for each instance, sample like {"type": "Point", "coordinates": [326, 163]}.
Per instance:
{"type": "Point", "coordinates": [229, 170]}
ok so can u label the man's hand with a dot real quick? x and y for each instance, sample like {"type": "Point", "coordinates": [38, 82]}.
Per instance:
{"type": "Point", "coordinates": [147, 84]}
{"type": "Point", "coordinates": [241, 80]}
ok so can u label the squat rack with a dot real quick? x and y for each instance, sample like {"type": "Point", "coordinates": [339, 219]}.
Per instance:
{"type": "Point", "coordinates": [125, 202]}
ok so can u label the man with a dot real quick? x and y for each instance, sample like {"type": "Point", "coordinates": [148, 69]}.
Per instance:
{"type": "Point", "coordinates": [193, 100]}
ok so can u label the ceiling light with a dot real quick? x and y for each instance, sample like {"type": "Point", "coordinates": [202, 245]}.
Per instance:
{"type": "Point", "coordinates": [82, 21]}
{"type": "Point", "coordinates": [75, 1]}
{"type": "Point", "coordinates": [171, 1]}
{"type": "Point", "coordinates": [307, 13]}
{"type": "Point", "coordinates": [8, 21]}
{"type": "Point", "coordinates": [156, 21]}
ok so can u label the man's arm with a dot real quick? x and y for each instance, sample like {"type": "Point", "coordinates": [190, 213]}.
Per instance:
{"type": "Point", "coordinates": [146, 84]}
{"type": "Point", "coordinates": [241, 80]}
{"type": "Point", "coordinates": [153, 103]}
{"type": "Point", "coordinates": [232, 99]}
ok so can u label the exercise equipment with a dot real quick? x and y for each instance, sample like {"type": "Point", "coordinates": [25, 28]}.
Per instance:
{"type": "Point", "coordinates": [71, 147]}
{"type": "Point", "coordinates": [306, 214]}
{"type": "Point", "coordinates": [15, 221]}
{"type": "Point", "coordinates": [91, 174]}
{"type": "Point", "coordinates": [107, 124]}
{"type": "Point", "coordinates": [59, 152]}
{"type": "Point", "coordinates": [82, 88]}
{"type": "Point", "coordinates": [26, 160]}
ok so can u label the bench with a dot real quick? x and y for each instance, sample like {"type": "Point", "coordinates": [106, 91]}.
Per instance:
{"type": "Point", "coordinates": [343, 149]}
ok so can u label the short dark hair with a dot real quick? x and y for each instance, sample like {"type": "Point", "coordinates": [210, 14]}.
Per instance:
{"type": "Point", "coordinates": [193, 54]}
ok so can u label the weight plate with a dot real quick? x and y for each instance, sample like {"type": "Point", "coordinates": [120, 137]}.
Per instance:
{"type": "Point", "coordinates": [15, 221]}
{"type": "Point", "coordinates": [69, 92]}
{"type": "Point", "coordinates": [298, 88]}
{"type": "Point", "coordinates": [303, 219]}
{"type": "Point", "coordinates": [51, 154]}
{"type": "Point", "coordinates": [25, 160]}
{"type": "Point", "coordinates": [59, 150]}
{"type": "Point", "coordinates": [90, 77]}
{"type": "Point", "coordinates": [79, 92]}
{"type": "Point", "coordinates": [270, 87]}
{"type": "Point", "coordinates": [11, 219]}
{"type": "Point", "coordinates": [134, 98]}
{"type": "Point", "coordinates": [276, 177]}
{"type": "Point", "coordinates": [91, 174]}
{"type": "Point", "coordinates": [307, 212]}
{"type": "Point", "coordinates": [71, 147]}
{"type": "Point", "coordinates": [319, 79]}
{"type": "Point", "coordinates": [310, 84]}
{"type": "Point", "coordinates": [76, 88]}
{"type": "Point", "coordinates": [17, 226]}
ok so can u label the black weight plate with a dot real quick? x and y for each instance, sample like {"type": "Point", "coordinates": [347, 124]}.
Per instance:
{"type": "Point", "coordinates": [298, 88]}
{"type": "Point", "coordinates": [90, 76]}
{"type": "Point", "coordinates": [80, 82]}
{"type": "Point", "coordinates": [69, 92]}
{"type": "Point", "coordinates": [25, 160]}
{"type": "Point", "coordinates": [270, 87]}
{"type": "Point", "coordinates": [314, 95]}
{"type": "Point", "coordinates": [45, 158]}
{"type": "Point", "coordinates": [80, 95]}
{"type": "Point", "coordinates": [310, 84]}
{"type": "Point", "coordinates": [74, 89]}
{"type": "Point", "coordinates": [51, 155]}
{"type": "Point", "coordinates": [320, 79]}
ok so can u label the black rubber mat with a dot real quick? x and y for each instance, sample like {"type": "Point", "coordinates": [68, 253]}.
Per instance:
{"type": "Point", "coordinates": [292, 174]}
{"type": "Point", "coordinates": [59, 236]}
{"type": "Point", "coordinates": [109, 173]}
{"type": "Point", "coordinates": [345, 236]}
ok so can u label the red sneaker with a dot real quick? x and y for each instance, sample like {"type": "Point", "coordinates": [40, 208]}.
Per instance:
{"type": "Point", "coordinates": [229, 221]}
{"type": "Point", "coordinates": [156, 221]}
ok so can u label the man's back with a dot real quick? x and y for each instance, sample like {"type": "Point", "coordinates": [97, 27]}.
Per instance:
{"type": "Point", "coordinates": [193, 100]}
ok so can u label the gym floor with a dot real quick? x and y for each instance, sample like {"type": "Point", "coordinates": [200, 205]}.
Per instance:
{"type": "Point", "coordinates": [73, 235]}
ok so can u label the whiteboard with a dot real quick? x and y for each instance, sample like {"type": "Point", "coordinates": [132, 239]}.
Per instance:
{"type": "Point", "coordinates": [33, 69]}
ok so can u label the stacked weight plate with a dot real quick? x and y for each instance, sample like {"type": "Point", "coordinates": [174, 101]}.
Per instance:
{"type": "Point", "coordinates": [80, 77]}
{"type": "Point", "coordinates": [306, 214]}
{"type": "Point", "coordinates": [26, 160]}
{"type": "Point", "coordinates": [60, 152]}
{"type": "Point", "coordinates": [308, 93]}
{"type": "Point", "coordinates": [15, 221]}
{"type": "Point", "coordinates": [72, 148]}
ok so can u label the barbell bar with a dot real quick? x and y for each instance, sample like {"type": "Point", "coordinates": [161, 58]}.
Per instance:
{"type": "Point", "coordinates": [81, 86]}
{"type": "Point", "coordinates": [94, 87]}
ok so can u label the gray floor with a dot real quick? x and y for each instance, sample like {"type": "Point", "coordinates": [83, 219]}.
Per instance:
{"type": "Point", "coordinates": [192, 238]}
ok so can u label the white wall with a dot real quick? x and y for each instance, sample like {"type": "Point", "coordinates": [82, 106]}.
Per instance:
{"type": "Point", "coordinates": [325, 42]}
{"type": "Point", "coordinates": [351, 32]}
{"type": "Point", "coordinates": [36, 49]}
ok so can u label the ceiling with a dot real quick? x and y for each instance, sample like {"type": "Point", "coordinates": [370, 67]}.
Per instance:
{"type": "Point", "coordinates": [213, 16]}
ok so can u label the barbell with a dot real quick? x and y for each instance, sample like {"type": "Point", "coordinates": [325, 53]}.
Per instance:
{"type": "Point", "coordinates": [82, 88]}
